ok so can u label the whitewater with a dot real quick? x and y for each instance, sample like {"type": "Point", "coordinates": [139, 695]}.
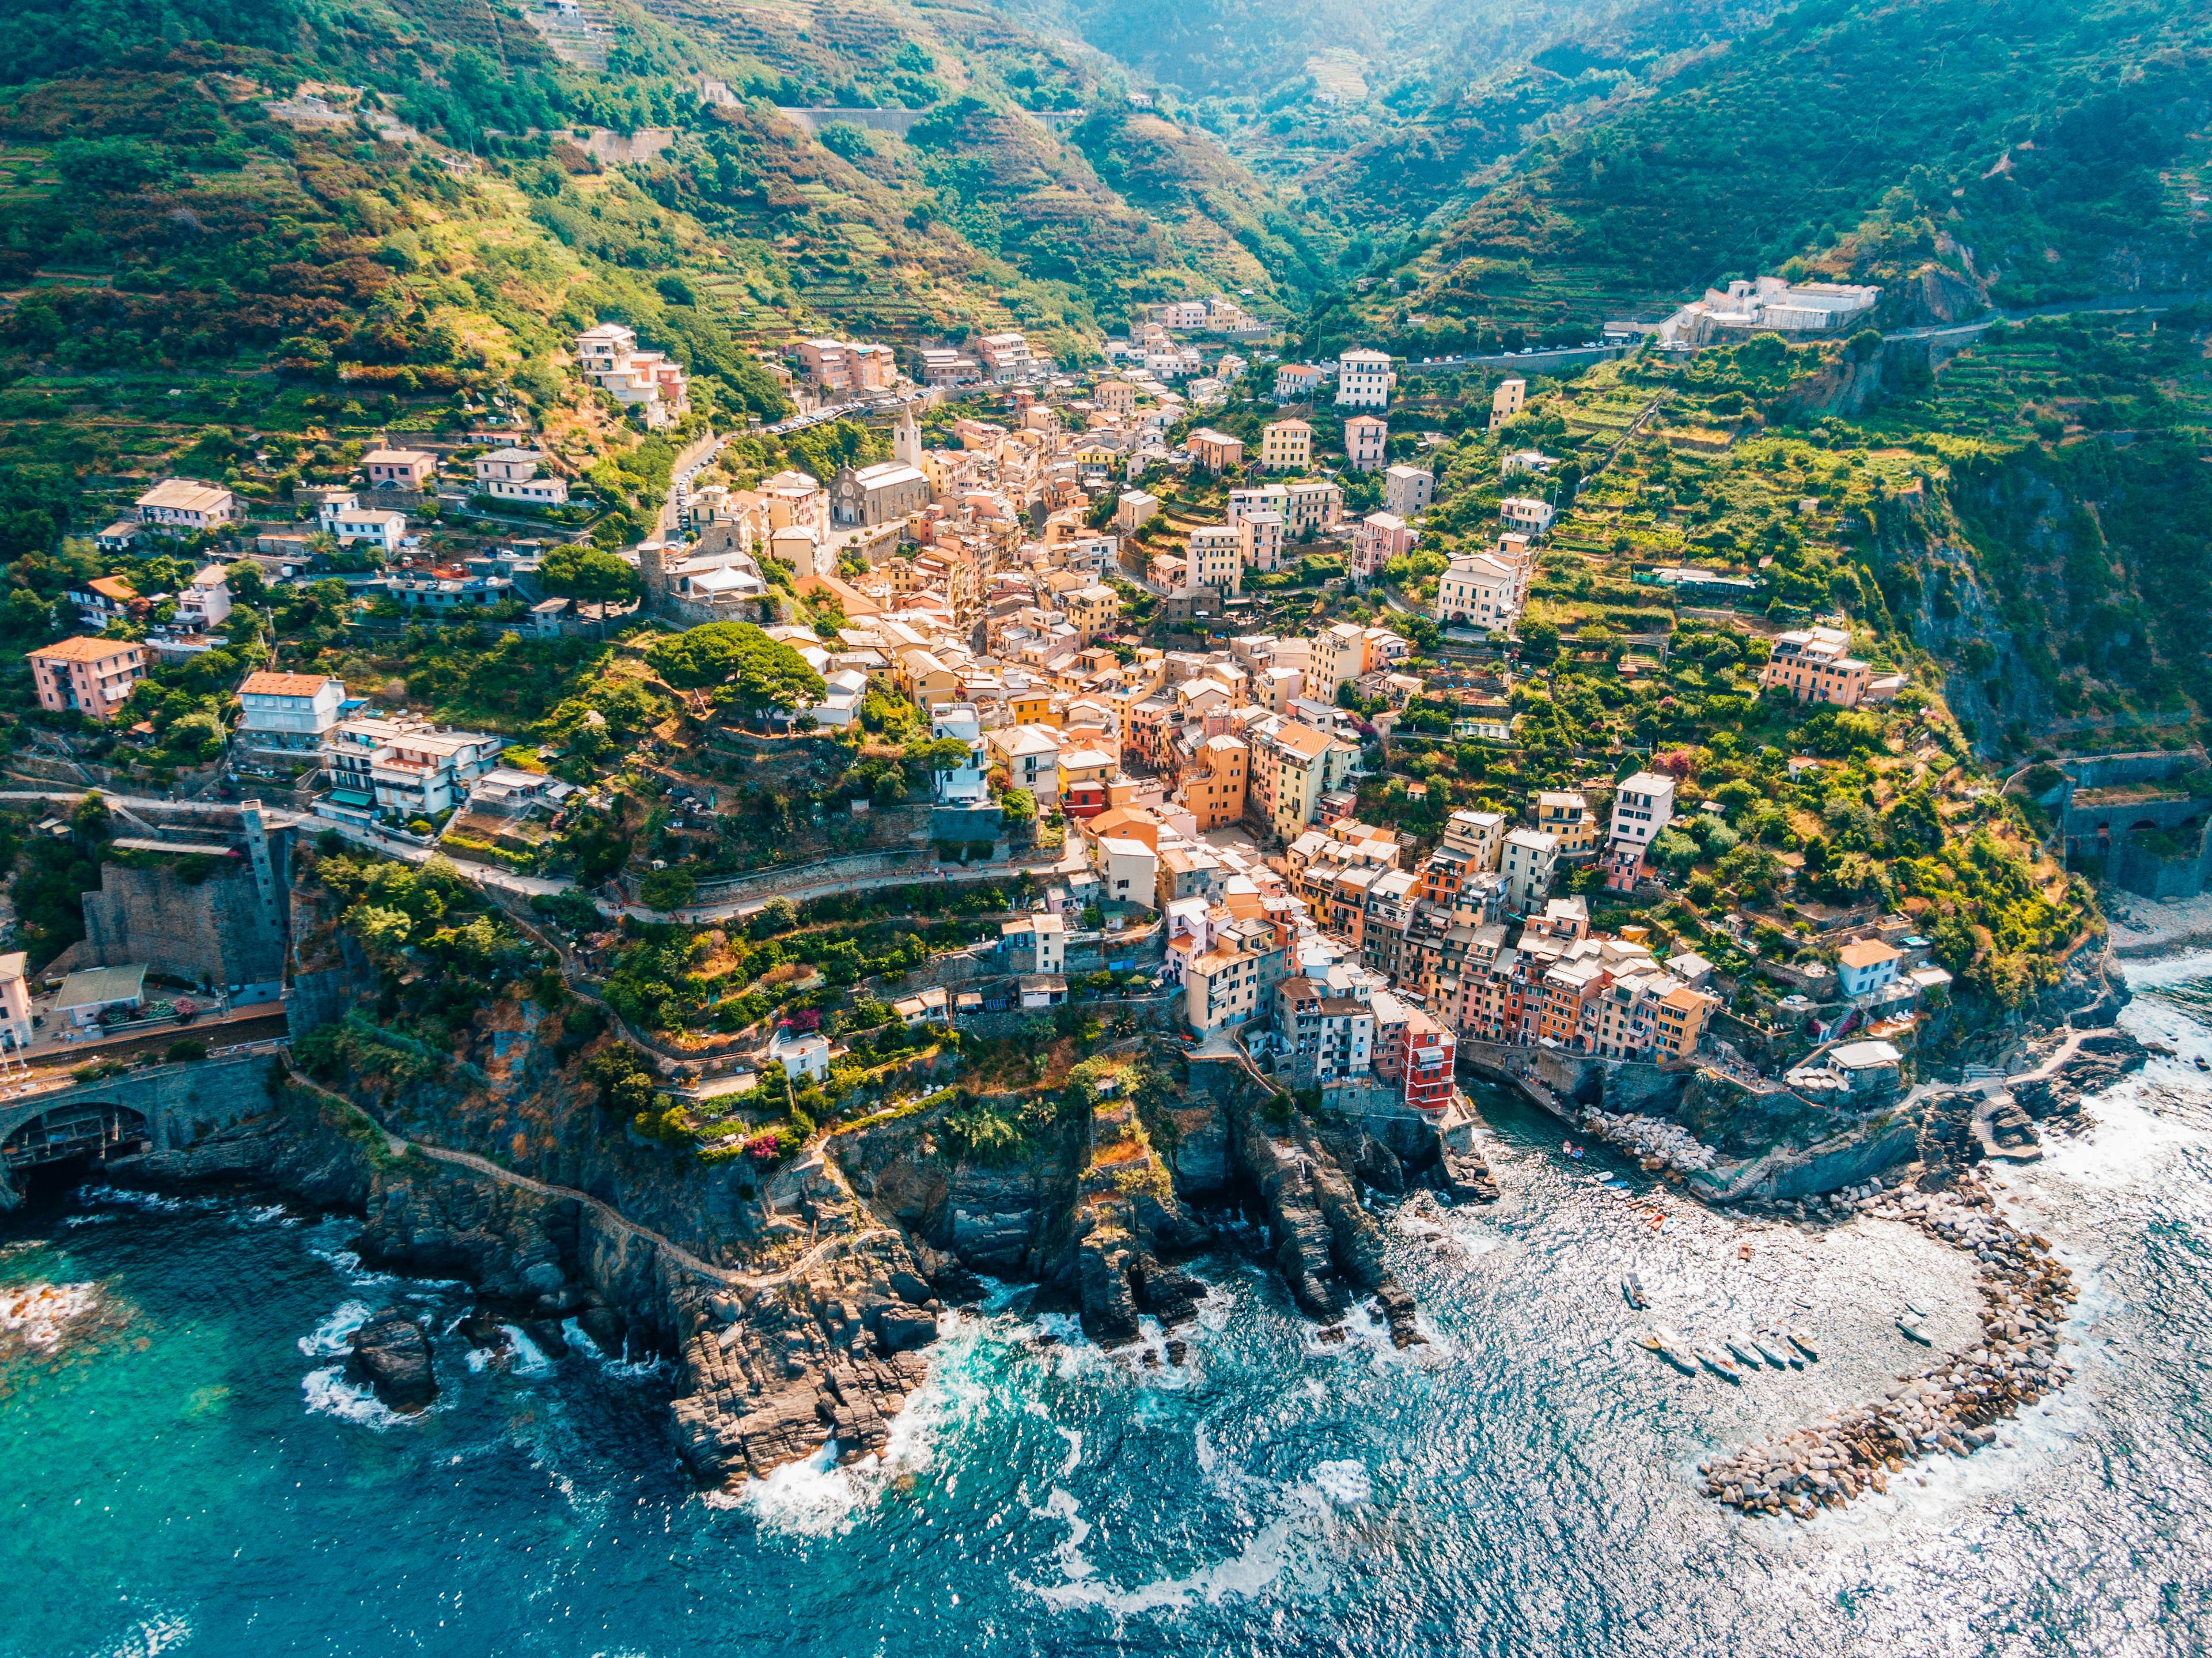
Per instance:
{"type": "Point", "coordinates": [191, 1473]}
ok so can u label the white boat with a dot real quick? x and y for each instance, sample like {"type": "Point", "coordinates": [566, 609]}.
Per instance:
{"type": "Point", "coordinates": [1745, 1349]}
{"type": "Point", "coordinates": [1803, 1342]}
{"type": "Point", "coordinates": [1719, 1362]}
{"type": "Point", "coordinates": [1911, 1328]}
{"type": "Point", "coordinates": [1632, 1287]}
{"type": "Point", "coordinates": [1776, 1351]}
{"type": "Point", "coordinates": [1665, 1342]}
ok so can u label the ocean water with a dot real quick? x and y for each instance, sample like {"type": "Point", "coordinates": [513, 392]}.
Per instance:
{"type": "Point", "coordinates": [188, 1473]}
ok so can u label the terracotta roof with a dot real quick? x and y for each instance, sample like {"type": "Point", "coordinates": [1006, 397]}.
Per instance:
{"type": "Point", "coordinates": [83, 648]}
{"type": "Point", "coordinates": [285, 684]}
{"type": "Point", "coordinates": [114, 587]}
{"type": "Point", "coordinates": [1868, 952]}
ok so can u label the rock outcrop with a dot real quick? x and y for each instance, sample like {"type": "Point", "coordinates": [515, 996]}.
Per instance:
{"type": "Point", "coordinates": [2098, 1059]}
{"type": "Point", "coordinates": [828, 1354]}
{"type": "Point", "coordinates": [392, 1353]}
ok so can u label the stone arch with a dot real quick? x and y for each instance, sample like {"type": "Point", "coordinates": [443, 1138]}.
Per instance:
{"type": "Point", "coordinates": [74, 1130]}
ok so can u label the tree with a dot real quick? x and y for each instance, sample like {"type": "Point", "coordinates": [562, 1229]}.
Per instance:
{"type": "Point", "coordinates": [1539, 642]}
{"type": "Point", "coordinates": [1753, 869]}
{"type": "Point", "coordinates": [753, 671]}
{"type": "Point", "coordinates": [668, 889]}
{"type": "Point", "coordinates": [591, 573]}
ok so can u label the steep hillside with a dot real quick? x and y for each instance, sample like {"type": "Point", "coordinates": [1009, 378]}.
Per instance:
{"type": "Point", "coordinates": [2039, 152]}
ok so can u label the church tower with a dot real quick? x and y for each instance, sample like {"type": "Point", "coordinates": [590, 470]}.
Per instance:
{"type": "Point", "coordinates": [906, 442]}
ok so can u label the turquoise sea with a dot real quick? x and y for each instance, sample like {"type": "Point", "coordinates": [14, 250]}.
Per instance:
{"type": "Point", "coordinates": [188, 1473]}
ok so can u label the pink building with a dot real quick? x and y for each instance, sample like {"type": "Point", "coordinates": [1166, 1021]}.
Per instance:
{"type": "Point", "coordinates": [92, 676]}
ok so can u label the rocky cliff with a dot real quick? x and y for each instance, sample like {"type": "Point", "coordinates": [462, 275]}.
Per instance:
{"type": "Point", "coordinates": [797, 1304]}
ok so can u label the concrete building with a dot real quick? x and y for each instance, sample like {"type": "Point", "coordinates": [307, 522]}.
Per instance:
{"type": "Point", "coordinates": [1566, 813]}
{"type": "Point", "coordinates": [401, 768]}
{"type": "Point", "coordinates": [1312, 506]}
{"type": "Point", "coordinates": [1364, 436]}
{"type": "Point", "coordinates": [1526, 514]}
{"type": "Point", "coordinates": [1364, 380]}
{"type": "Point", "coordinates": [1768, 303]}
{"type": "Point", "coordinates": [840, 367]}
{"type": "Point", "coordinates": [188, 504]}
{"type": "Point", "coordinates": [400, 469]}
{"type": "Point", "coordinates": [1529, 860]}
{"type": "Point", "coordinates": [1217, 558]}
{"type": "Point", "coordinates": [1133, 509]}
{"type": "Point", "coordinates": [1867, 965]}
{"type": "Point", "coordinates": [1216, 452]}
{"type": "Point", "coordinates": [1814, 664]}
{"type": "Point", "coordinates": [1642, 804]}
{"type": "Point", "coordinates": [1380, 537]}
{"type": "Point", "coordinates": [512, 474]}
{"type": "Point", "coordinates": [1286, 445]}
{"type": "Point", "coordinates": [1478, 591]}
{"type": "Point", "coordinates": [1005, 357]}
{"type": "Point", "coordinates": [356, 526]}
{"type": "Point", "coordinates": [92, 676]}
{"type": "Point", "coordinates": [287, 715]}
{"type": "Point", "coordinates": [1407, 491]}
{"type": "Point", "coordinates": [1297, 382]}
{"type": "Point", "coordinates": [1507, 401]}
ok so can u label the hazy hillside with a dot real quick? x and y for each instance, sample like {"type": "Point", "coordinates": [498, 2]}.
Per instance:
{"type": "Point", "coordinates": [2039, 151]}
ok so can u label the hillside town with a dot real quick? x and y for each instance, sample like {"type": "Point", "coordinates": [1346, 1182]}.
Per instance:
{"type": "Point", "coordinates": [1001, 587]}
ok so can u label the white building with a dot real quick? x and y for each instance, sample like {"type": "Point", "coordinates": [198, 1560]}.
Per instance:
{"type": "Point", "coordinates": [187, 504]}
{"type": "Point", "coordinates": [403, 768]}
{"type": "Point", "coordinates": [1529, 858]}
{"type": "Point", "coordinates": [1642, 806]}
{"type": "Point", "coordinates": [206, 601]}
{"type": "Point", "coordinates": [1526, 515]}
{"type": "Point", "coordinates": [1364, 380]}
{"type": "Point", "coordinates": [1478, 591]}
{"type": "Point", "coordinates": [287, 714]}
{"type": "Point", "coordinates": [512, 475]}
{"type": "Point", "coordinates": [647, 381]}
{"type": "Point", "coordinates": [964, 785]}
{"type": "Point", "coordinates": [354, 524]}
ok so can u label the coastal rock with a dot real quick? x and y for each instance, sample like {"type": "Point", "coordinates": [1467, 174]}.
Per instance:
{"type": "Point", "coordinates": [831, 1353]}
{"type": "Point", "coordinates": [1168, 1296]}
{"type": "Point", "coordinates": [1466, 1176]}
{"type": "Point", "coordinates": [391, 1354]}
{"type": "Point", "coordinates": [1397, 1308]}
{"type": "Point", "coordinates": [1103, 1269]}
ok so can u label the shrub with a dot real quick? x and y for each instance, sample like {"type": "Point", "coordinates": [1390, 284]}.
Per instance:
{"type": "Point", "coordinates": [190, 1048]}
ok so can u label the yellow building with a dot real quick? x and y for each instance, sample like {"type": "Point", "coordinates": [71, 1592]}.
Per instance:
{"type": "Point", "coordinates": [1286, 445]}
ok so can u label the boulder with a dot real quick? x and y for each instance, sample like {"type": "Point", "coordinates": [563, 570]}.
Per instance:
{"type": "Point", "coordinates": [907, 1328]}
{"type": "Point", "coordinates": [1466, 1176]}
{"type": "Point", "coordinates": [1168, 1296]}
{"type": "Point", "coordinates": [392, 1353]}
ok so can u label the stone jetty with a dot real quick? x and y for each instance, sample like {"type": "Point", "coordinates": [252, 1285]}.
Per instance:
{"type": "Point", "coordinates": [1946, 1408]}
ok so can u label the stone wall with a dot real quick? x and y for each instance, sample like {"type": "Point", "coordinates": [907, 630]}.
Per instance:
{"type": "Point", "coordinates": [208, 933]}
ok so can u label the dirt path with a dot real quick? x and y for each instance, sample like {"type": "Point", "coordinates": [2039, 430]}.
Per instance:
{"type": "Point", "coordinates": [606, 1213]}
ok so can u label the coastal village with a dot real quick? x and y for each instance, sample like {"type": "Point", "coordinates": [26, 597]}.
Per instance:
{"type": "Point", "coordinates": [1229, 747]}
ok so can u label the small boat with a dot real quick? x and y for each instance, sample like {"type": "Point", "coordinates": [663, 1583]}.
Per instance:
{"type": "Point", "coordinates": [2200, 1064]}
{"type": "Point", "coordinates": [1746, 1348]}
{"type": "Point", "coordinates": [1575, 1152]}
{"type": "Point", "coordinates": [1632, 1287]}
{"type": "Point", "coordinates": [1912, 1331]}
{"type": "Point", "coordinates": [1665, 1342]}
{"type": "Point", "coordinates": [1775, 1350]}
{"type": "Point", "coordinates": [1719, 1362]}
{"type": "Point", "coordinates": [1802, 1341]}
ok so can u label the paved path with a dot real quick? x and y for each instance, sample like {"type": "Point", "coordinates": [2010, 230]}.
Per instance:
{"type": "Point", "coordinates": [606, 1213]}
